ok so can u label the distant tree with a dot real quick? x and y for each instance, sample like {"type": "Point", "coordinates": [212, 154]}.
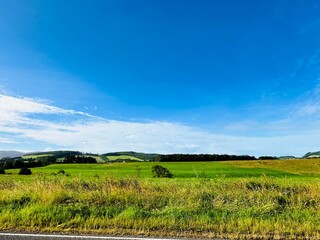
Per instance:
{"type": "Point", "coordinates": [8, 164]}
{"type": "Point", "coordinates": [46, 160]}
{"type": "Point", "coordinates": [201, 157]}
{"type": "Point", "coordinates": [79, 159]}
{"type": "Point", "coordinates": [267, 158]}
{"type": "Point", "coordinates": [25, 171]}
{"type": "Point", "coordinates": [69, 159]}
{"type": "Point", "coordinates": [17, 163]}
{"type": "Point", "coordinates": [159, 171]}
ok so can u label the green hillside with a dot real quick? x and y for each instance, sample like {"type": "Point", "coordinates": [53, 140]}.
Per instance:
{"type": "Point", "coordinates": [133, 155]}
{"type": "Point", "coordinates": [312, 155]}
{"type": "Point", "coordinates": [55, 154]}
{"type": "Point", "coordinates": [101, 158]}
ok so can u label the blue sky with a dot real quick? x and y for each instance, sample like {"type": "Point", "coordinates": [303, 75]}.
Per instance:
{"type": "Point", "coordinates": [238, 77]}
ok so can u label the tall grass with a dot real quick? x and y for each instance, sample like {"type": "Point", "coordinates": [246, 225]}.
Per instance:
{"type": "Point", "coordinates": [253, 207]}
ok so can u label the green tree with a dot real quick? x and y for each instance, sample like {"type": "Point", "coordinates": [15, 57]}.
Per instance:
{"type": "Point", "coordinates": [25, 171]}
{"type": "Point", "coordinates": [159, 171]}
{"type": "Point", "coordinates": [18, 163]}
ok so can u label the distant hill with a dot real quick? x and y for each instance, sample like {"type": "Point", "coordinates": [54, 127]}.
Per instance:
{"type": "Point", "coordinates": [101, 158]}
{"type": "Point", "coordinates": [312, 155]}
{"type": "Point", "coordinates": [56, 154]}
{"type": "Point", "coordinates": [286, 157]}
{"type": "Point", "coordinates": [136, 155]}
{"type": "Point", "coordinates": [10, 154]}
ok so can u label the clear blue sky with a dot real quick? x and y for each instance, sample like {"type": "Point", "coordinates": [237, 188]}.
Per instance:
{"type": "Point", "coordinates": [240, 75]}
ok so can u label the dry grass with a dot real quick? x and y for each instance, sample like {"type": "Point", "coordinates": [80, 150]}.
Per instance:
{"type": "Point", "coordinates": [241, 208]}
{"type": "Point", "coordinates": [295, 166]}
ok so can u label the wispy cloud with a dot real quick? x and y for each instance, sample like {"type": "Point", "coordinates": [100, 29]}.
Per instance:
{"type": "Point", "coordinates": [16, 110]}
{"type": "Point", "coordinates": [25, 120]}
{"type": "Point", "coordinates": [308, 105]}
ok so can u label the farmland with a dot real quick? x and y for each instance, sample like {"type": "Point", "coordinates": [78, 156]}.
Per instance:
{"type": "Point", "coordinates": [109, 157]}
{"type": "Point", "coordinates": [296, 169]}
{"type": "Point", "coordinates": [234, 199]}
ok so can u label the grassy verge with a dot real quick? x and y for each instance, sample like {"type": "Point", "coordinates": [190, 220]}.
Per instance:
{"type": "Point", "coordinates": [260, 207]}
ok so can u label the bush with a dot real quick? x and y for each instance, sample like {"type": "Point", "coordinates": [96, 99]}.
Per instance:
{"type": "Point", "coordinates": [25, 171]}
{"type": "Point", "coordinates": [2, 170]}
{"type": "Point", "coordinates": [159, 171]}
{"type": "Point", "coordinates": [61, 171]}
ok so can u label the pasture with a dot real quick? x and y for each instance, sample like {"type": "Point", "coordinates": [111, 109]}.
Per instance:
{"type": "Point", "coordinates": [36, 156]}
{"type": "Point", "coordinates": [295, 169]}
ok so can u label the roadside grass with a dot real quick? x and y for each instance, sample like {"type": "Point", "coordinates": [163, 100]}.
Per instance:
{"type": "Point", "coordinates": [235, 200]}
{"type": "Point", "coordinates": [261, 207]}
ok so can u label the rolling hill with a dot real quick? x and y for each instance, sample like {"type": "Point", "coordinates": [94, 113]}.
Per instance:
{"type": "Point", "coordinates": [101, 158]}
{"type": "Point", "coordinates": [133, 155]}
{"type": "Point", "coordinates": [312, 155]}
{"type": "Point", "coordinates": [10, 154]}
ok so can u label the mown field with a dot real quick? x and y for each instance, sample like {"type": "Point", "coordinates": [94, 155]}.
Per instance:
{"type": "Point", "coordinates": [277, 199]}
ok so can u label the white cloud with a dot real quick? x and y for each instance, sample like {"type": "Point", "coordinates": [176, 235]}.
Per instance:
{"type": "Point", "coordinates": [6, 140]}
{"type": "Point", "coordinates": [21, 106]}
{"type": "Point", "coordinates": [20, 123]}
{"type": "Point", "coordinates": [309, 109]}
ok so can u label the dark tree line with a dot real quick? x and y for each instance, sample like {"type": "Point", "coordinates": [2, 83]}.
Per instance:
{"type": "Point", "coordinates": [267, 158]}
{"type": "Point", "coordinates": [11, 163]}
{"type": "Point", "coordinates": [23, 163]}
{"type": "Point", "coordinates": [79, 159]}
{"type": "Point", "coordinates": [201, 157]}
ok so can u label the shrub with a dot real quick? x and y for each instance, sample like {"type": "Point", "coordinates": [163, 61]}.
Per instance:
{"type": "Point", "coordinates": [61, 171]}
{"type": "Point", "coordinates": [159, 171]}
{"type": "Point", "coordinates": [25, 171]}
{"type": "Point", "coordinates": [2, 170]}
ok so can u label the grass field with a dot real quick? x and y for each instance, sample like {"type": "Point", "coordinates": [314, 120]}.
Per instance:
{"type": "Point", "coordinates": [249, 199]}
{"type": "Point", "coordinates": [36, 156]}
{"type": "Point", "coordinates": [123, 157]}
{"type": "Point", "coordinates": [301, 169]}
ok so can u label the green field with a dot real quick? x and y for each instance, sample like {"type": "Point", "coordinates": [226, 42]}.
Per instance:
{"type": "Point", "coordinates": [123, 157]}
{"type": "Point", "coordinates": [296, 169]}
{"type": "Point", "coordinates": [277, 199]}
{"type": "Point", "coordinates": [36, 156]}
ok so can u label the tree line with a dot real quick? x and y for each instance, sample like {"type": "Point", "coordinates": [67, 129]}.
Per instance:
{"type": "Point", "coordinates": [201, 157]}
{"type": "Point", "coordinates": [12, 163]}
{"type": "Point", "coordinates": [79, 159]}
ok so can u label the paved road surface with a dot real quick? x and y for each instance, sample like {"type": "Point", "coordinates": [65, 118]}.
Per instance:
{"type": "Point", "coordinates": [18, 236]}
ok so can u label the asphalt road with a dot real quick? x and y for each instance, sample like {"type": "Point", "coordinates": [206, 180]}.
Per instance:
{"type": "Point", "coordinates": [18, 236]}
